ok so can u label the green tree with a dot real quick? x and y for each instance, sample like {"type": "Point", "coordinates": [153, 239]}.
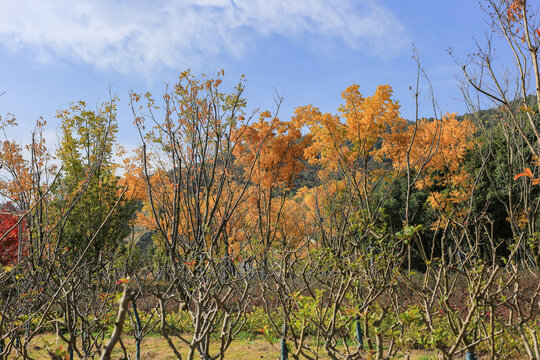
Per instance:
{"type": "Point", "coordinates": [88, 142]}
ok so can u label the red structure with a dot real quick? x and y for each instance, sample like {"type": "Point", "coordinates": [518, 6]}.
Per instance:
{"type": "Point", "coordinates": [10, 251]}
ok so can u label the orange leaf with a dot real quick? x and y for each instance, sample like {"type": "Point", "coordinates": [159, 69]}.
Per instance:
{"type": "Point", "coordinates": [527, 172]}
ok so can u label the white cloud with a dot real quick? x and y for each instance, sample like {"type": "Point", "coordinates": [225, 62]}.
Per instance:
{"type": "Point", "coordinates": [128, 35]}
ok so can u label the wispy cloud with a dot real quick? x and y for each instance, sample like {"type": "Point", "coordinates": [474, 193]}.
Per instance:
{"type": "Point", "coordinates": [128, 35]}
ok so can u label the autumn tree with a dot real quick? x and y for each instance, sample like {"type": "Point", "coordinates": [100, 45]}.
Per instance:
{"type": "Point", "coordinates": [271, 154]}
{"type": "Point", "coordinates": [11, 232]}
{"type": "Point", "coordinates": [194, 191]}
{"type": "Point", "coordinates": [434, 152]}
{"type": "Point", "coordinates": [347, 147]}
{"type": "Point", "coordinates": [329, 271]}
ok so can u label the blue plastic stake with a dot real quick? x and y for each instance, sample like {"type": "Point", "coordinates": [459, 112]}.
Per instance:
{"type": "Point", "coordinates": [359, 335]}
{"type": "Point", "coordinates": [284, 350]}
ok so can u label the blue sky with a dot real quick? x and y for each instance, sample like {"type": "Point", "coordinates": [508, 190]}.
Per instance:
{"type": "Point", "coordinates": [56, 52]}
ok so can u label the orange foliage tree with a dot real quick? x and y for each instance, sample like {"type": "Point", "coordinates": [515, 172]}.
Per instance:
{"type": "Point", "coordinates": [439, 148]}
{"type": "Point", "coordinates": [346, 147]}
{"type": "Point", "coordinates": [271, 151]}
{"type": "Point", "coordinates": [195, 192]}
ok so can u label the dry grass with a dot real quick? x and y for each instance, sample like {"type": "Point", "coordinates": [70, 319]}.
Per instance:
{"type": "Point", "coordinates": [156, 348]}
